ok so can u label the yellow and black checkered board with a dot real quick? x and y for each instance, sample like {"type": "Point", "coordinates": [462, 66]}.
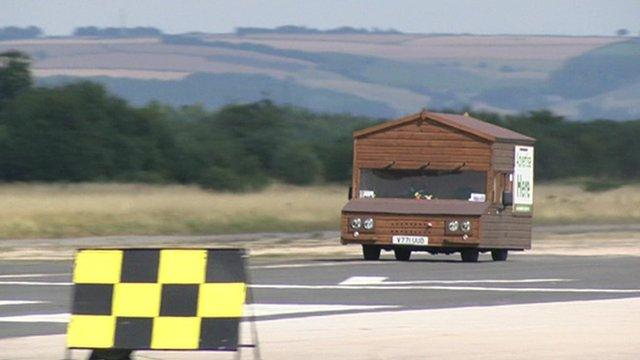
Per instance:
{"type": "Point", "coordinates": [169, 299]}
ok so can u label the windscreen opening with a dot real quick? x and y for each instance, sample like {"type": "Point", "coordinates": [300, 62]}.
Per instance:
{"type": "Point", "coordinates": [425, 184]}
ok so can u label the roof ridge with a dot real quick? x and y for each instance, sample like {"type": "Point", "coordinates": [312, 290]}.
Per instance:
{"type": "Point", "coordinates": [466, 123]}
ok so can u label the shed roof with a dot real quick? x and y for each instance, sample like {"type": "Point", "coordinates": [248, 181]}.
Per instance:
{"type": "Point", "coordinates": [464, 123]}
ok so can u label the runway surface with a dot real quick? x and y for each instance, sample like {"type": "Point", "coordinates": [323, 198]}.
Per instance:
{"type": "Point", "coordinates": [35, 295]}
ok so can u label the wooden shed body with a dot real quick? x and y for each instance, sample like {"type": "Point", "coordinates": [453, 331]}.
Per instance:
{"type": "Point", "coordinates": [438, 141]}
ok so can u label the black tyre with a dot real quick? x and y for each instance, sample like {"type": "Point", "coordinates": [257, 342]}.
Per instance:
{"type": "Point", "coordinates": [371, 252]}
{"type": "Point", "coordinates": [469, 255]}
{"type": "Point", "coordinates": [499, 254]}
{"type": "Point", "coordinates": [402, 254]}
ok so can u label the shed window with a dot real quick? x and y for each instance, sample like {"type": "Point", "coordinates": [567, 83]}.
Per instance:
{"type": "Point", "coordinates": [393, 183]}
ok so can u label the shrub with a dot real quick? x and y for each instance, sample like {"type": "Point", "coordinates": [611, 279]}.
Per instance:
{"type": "Point", "coordinates": [601, 185]}
{"type": "Point", "coordinates": [216, 178]}
{"type": "Point", "coordinates": [226, 179]}
{"type": "Point", "coordinates": [296, 164]}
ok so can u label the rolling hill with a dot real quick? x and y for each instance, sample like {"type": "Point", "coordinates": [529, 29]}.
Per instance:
{"type": "Point", "coordinates": [374, 74]}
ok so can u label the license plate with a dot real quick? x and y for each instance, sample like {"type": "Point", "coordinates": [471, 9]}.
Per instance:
{"type": "Point", "coordinates": [409, 240]}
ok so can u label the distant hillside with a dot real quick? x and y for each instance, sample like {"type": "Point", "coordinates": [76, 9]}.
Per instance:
{"type": "Point", "coordinates": [217, 90]}
{"type": "Point", "coordinates": [377, 73]}
{"type": "Point", "coordinates": [598, 71]}
{"type": "Point", "coordinates": [436, 80]}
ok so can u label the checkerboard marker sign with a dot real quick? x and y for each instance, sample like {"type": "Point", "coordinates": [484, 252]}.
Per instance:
{"type": "Point", "coordinates": [157, 299]}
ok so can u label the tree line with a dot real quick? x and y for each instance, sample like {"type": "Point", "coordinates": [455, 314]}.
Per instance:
{"type": "Point", "coordinates": [115, 32]}
{"type": "Point", "coordinates": [32, 32]}
{"type": "Point", "coordinates": [19, 33]}
{"type": "Point", "coordinates": [79, 132]}
{"type": "Point", "coordinates": [598, 149]}
{"type": "Point", "coordinates": [303, 30]}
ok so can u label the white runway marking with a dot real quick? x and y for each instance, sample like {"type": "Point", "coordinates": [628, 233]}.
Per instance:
{"type": "Point", "coordinates": [380, 280]}
{"type": "Point", "coordinates": [18, 276]}
{"type": "Point", "coordinates": [253, 309]}
{"type": "Point", "coordinates": [37, 318]}
{"type": "Point", "coordinates": [485, 281]}
{"type": "Point", "coordinates": [287, 309]}
{"type": "Point", "coordinates": [402, 285]}
{"type": "Point", "coordinates": [35, 283]}
{"type": "Point", "coordinates": [318, 264]}
{"type": "Point", "coordinates": [452, 288]}
{"type": "Point", "coordinates": [364, 280]}
{"type": "Point", "coordinates": [20, 302]}
{"type": "Point", "coordinates": [557, 290]}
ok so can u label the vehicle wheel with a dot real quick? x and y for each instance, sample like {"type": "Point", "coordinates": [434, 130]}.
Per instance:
{"type": "Point", "coordinates": [402, 254]}
{"type": "Point", "coordinates": [371, 252]}
{"type": "Point", "coordinates": [470, 255]}
{"type": "Point", "coordinates": [499, 254]}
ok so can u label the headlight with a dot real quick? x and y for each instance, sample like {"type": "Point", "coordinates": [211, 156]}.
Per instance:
{"type": "Point", "coordinates": [356, 223]}
{"type": "Point", "coordinates": [466, 226]}
{"type": "Point", "coordinates": [453, 226]}
{"type": "Point", "coordinates": [368, 224]}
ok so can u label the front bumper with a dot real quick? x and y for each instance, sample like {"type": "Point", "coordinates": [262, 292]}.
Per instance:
{"type": "Point", "coordinates": [389, 225]}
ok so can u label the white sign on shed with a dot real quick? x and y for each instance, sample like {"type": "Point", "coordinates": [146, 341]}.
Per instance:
{"type": "Point", "coordinates": [523, 179]}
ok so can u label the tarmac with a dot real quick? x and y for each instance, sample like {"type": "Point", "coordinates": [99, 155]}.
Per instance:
{"type": "Point", "coordinates": [603, 329]}
{"type": "Point", "coordinates": [576, 295]}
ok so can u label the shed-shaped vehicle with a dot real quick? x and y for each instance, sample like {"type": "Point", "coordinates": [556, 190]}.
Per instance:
{"type": "Point", "coordinates": [440, 183]}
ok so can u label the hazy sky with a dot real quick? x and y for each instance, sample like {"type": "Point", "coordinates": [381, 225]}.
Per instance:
{"type": "Point", "coordinates": [577, 17]}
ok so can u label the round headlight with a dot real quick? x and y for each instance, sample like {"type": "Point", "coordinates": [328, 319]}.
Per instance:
{"type": "Point", "coordinates": [453, 225]}
{"type": "Point", "coordinates": [356, 223]}
{"type": "Point", "coordinates": [466, 226]}
{"type": "Point", "coordinates": [368, 224]}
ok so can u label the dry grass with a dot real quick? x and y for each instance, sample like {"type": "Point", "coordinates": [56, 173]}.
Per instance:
{"type": "Point", "coordinates": [113, 209]}
{"type": "Point", "coordinates": [423, 47]}
{"type": "Point", "coordinates": [121, 209]}
{"type": "Point", "coordinates": [571, 204]}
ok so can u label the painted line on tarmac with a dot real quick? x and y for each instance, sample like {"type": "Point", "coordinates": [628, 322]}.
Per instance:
{"type": "Point", "coordinates": [253, 309]}
{"type": "Point", "coordinates": [387, 286]}
{"type": "Point", "coordinates": [35, 283]}
{"type": "Point", "coordinates": [287, 309]}
{"type": "Point", "coordinates": [18, 276]}
{"type": "Point", "coordinates": [347, 283]}
{"type": "Point", "coordinates": [320, 264]}
{"type": "Point", "coordinates": [39, 318]}
{"type": "Point", "coordinates": [364, 280]}
{"type": "Point", "coordinates": [21, 302]}
{"type": "Point", "coordinates": [494, 281]}
{"type": "Point", "coordinates": [451, 288]}
{"type": "Point", "coordinates": [381, 280]}
{"type": "Point", "coordinates": [547, 290]}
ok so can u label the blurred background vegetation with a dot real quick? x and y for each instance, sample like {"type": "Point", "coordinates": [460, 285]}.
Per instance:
{"type": "Point", "coordinates": [79, 132]}
{"type": "Point", "coordinates": [77, 160]}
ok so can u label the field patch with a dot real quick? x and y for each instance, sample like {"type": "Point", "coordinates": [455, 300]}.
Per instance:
{"type": "Point", "coordinates": [60, 211]}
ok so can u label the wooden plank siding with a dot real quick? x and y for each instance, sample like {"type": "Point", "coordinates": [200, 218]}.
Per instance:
{"type": "Point", "coordinates": [504, 230]}
{"type": "Point", "coordinates": [500, 227]}
{"type": "Point", "coordinates": [503, 154]}
{"type": "Point", "coordinates": [415, 144]}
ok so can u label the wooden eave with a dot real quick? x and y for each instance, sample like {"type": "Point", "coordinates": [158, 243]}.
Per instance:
{"type": "Point", "coordinates": [443, 120]}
